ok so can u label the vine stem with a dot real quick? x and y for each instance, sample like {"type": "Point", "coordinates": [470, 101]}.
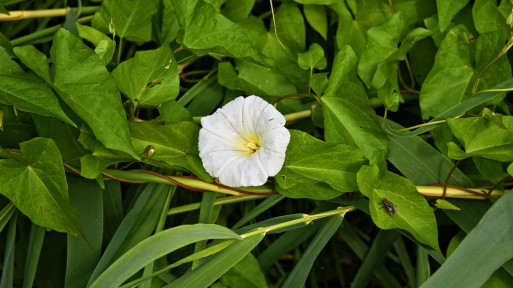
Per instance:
{"type": "Point", "coordinates": [27, 39]}
{"type": "Point", "coordinates": [458, 192]}
{"type": "Point", "coordinates": [292, 117]}
{"type": "Point", "coordinates": [502, 53]}
{"type": "Point", "coordinates": [30, 14]}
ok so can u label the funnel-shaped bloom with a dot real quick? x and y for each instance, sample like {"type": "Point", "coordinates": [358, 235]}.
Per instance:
{"type": "Point", "coordinates": [244, 142]}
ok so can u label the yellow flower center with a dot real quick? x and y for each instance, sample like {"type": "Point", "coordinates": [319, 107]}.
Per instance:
{"type": "Point", "coordinates": [253, 146]}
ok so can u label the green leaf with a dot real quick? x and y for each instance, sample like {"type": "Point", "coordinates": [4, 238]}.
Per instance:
{"type": "Point", "coordinates": [387, 44]}
{"type": "Point", "coordinates": [156, 246]}
{"type": "Point", "coordinates": [455, 110]}
{"type": "Point", "coordinates": [218, 264]}
{"type": "Point", "coordinates": [35, 182]}
{"type": "Point", "coordinates": [172, 112]}
{"type": "Point", "coordinates": [105, 47]}
{"type": "Point", "coordinates": [176, 145]}
{"type": "Point", "coordinates": [93, 164]}
{"type": "Point", "coordinates": [510, 169]}
{"type": "Point", "coordinates": [317, 17]}
{"type": "Point", "coordinates": [203, 28]}
{"type": "Point", "coordinates": [446, 205]}
{"type": "Point", "coordinates": [313, 58]}
{"type": "Point", "coordinates": [447, 10]}
{"type": "Point", "coordinates": [355, 20]}
{"type": "Point", "coordinates": [254, 79]}
{"type": "Point", "coordinates": [310, 160]}
{"type": "Point", "coordinates": [481, 137]}
{"type": "Point", "coordinates": [298, 275]}
{"type": "Point", "coordinates": [150, 77]}
{"type": "Point", "coordinates": [87, 87]}
{"type": "Point", "coordinates": [318, 2]}
{"type": "Point", "coordinates": [237, 10]}
{"type": "Point", "coordinates": [25, 91]}
{"type": "Point", "coordinates": [35, 60]}
{"type": "Point", "coordinates": [247, 271]}
{"type": "Point", "coordinates": [64, 135]}
{"type": "Point", "coordinates": [450, 80]}
{"type": "Point", "coordinates": [412, 212]}
{"type": "Point", "coordinates": [485, 258]}
{"type": "Point", "coordinates": [348, 116]}
{"type": "Point", "coordinates": [170, 26]}
{"type": "Point", "coordinates": [129, 20]}
{"type": "Point", "coordinates": [487, 17]}
{"type": "Point", "coordinates": [319, 82]}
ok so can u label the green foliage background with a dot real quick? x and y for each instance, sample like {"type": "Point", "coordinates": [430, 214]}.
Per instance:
{"type": "Point", "coordinates": [102, 186]}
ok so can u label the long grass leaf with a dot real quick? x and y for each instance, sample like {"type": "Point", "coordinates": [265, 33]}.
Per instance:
{"type": "Point", "coordinates": [299, 274]}
{"type": "Point", "coordinates": [218, 264]}
{"type": "Point", "coordinates": [8, 266]}
{"type": "Point", "coordinates": [37, 235]}
{"type": "Point", "coordinates": [487, 247]}
{"type": "Point", "coordinates": [155, 247]}
{"type": "Point", "coordinates": [378, 251]}
{"type": "Point", "coordinates": [86, 196]}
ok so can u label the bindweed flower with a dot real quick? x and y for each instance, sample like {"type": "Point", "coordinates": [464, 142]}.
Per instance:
{"type": "Point", "coordinates": [244, 142]}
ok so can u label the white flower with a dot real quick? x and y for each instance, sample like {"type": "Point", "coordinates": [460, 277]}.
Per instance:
{"type": "Point", "coordinates": [244, 142]}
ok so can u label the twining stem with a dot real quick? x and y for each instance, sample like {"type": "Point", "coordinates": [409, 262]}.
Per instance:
{"type": "Point", "coordinates": [292, 117]}
{"type": "Point", "coordinates": [502, 53]}
{"type": "Point", "coordinates": [189, 183]}
{"type": "Point", "coordinates": [421, 125]}
{"type": "Point", "coordinates": [27, 39]}
{"type": "Point", "coordinates": [494, 90]}
{"type": "Point", "coordinates": [444, 193]}
{"type": "Point", "coordinates": [274, 22]}
{"type": "Point", "coordinates": [30, 14]}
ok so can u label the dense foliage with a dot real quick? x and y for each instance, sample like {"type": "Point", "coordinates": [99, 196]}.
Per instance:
{"type": "Point", "coordinates": [396, 174]}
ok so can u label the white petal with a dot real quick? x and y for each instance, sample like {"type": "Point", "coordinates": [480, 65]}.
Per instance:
{"type": "Point", "coordinates": [269, 119]}
{"type": "Point", "coordinates": [243, 171]}
{"type": "Point", "coordinates": [216, 161]}
{"type": "Point", "coordinates": [209, 142]}
{"type": "Point", "coordinates": [272, 161]}
{"type": "Point", "coordinates": [217, 124]}
{"type": "Point", "coordinates": [276, 139]}
{"type": "Point", "coordinates": [253, 173]}
{"type": "Point", "coordinates": [232, 111]}
{"type": "Point", "coordinates": [252, 111]}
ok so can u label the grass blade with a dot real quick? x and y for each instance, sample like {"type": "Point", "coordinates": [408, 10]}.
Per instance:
{"type": "Point", "coordinates": [87, 197]}
{"type": "Point", "coordinates": [155, 247]}
{"type": "Point", "coordinates": [261, 208]}
{"type": "Point", "coordinates": [37, 235]}
{"type": "Point", "coordinates": [378, 251]}
{"type": "Point", "coordinates": [8, 265]}
{"type": "Point", "coordinates": [299, 274]}
{"type": "Point", "coordinates": [217, 265]}
{"type": "Point", "coordinates": [490, 244]}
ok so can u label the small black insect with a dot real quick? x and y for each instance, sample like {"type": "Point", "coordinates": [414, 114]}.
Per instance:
{"type": "Point", "coordinates": [391, 209]}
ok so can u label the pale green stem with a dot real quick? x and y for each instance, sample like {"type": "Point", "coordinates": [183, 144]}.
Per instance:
{"type": "Point", "coordinates": [451, 192]}
{"type": "Point", "coordinates": [43, 13]}
{"type": "Point", "coordinates": [305, 219]}
{"type": "Point", "coordinates": [288, 117]}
